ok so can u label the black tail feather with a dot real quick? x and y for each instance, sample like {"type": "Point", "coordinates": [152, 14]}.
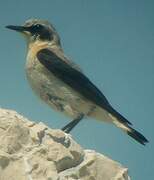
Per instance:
{"type": "Point", "coordinates": [137, 136]}
{"type": "Point", "coordinates": [120, 118]}
{"type": "Point", "coordinates": [124, 124]}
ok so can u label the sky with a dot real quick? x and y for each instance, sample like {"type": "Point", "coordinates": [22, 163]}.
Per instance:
{"type": "Point", "coordinates": [113, 42]}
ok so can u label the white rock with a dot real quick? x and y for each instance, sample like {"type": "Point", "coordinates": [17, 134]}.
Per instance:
{"type": "Point", "coordinates": [31, 151]}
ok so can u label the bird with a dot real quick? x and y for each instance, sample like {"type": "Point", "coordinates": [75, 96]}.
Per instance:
{"type": "Point", "coordinates": [62, 84]}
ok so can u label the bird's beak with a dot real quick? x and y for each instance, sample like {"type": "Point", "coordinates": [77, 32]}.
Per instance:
{"type": "Point", "coordinates": [18, 28]}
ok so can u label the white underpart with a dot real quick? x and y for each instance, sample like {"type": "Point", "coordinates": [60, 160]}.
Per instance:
{"type": "Point", "coordinates": [69, 109]}
{"type": "Point", "coordinates": [119, 125]}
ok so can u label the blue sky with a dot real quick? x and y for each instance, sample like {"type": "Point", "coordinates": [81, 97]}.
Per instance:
{"type": "Point", "coordinates": [113, 41]}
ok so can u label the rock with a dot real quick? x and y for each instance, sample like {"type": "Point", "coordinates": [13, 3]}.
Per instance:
{"type": "Point", "coordinates": [33, 151]}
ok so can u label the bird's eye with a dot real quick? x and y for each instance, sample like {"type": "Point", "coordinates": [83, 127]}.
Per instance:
{"type": "Point", "coordinates": [41, 31]}
{"type": "Point", "coordinates": [38, 26]}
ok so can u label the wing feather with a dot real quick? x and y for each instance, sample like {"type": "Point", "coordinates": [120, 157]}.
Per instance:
{"type": "Point", "coordinates": [76, 80]}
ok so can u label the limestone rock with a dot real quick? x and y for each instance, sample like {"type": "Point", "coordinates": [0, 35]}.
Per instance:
{"type": "Point", "coordinates": [31, 151]}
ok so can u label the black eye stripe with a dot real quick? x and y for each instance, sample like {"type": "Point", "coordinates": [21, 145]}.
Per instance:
{"type": "Point", "coordinates": [43, 32]}
{"type": "Point", "coordinates": [37, 28]}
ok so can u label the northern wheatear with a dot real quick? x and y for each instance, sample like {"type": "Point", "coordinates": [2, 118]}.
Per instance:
{"type": "Point", "coordinates": [61, 84]}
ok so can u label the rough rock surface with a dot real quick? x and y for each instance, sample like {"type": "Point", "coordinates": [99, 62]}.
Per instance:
{"type": "Point", "coordinates": [31, 151]}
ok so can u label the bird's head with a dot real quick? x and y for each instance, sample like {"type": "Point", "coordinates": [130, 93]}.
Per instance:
{"type": "Point", "coordinates": [37, 30]}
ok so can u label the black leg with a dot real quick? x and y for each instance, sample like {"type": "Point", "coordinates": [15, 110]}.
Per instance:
{"type": "Point", "coordinates": [72, 124]}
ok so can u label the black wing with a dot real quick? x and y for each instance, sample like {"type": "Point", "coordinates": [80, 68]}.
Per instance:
{"type": "Point", "coordinates": [76, 80]}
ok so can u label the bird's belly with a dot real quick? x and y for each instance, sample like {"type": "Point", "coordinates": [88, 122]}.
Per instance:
{"type": "Point", "coordinates": [56, 93]}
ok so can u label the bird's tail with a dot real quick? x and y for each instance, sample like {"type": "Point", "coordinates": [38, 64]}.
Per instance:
{"type": "Point", "coordinates": [130, 131]}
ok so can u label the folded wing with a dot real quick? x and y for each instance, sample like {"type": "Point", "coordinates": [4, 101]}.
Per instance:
{"type": "Point", "coordinates": [77, 81]}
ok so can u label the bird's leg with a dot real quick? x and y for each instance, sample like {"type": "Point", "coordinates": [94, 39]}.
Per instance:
{"type": "Point", "coordinates": [72, 124]}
